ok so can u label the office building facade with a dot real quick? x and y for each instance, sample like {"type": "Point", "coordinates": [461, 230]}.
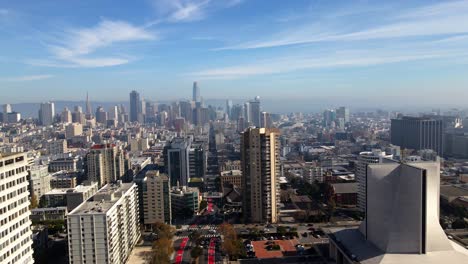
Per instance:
{"type": "Point", "coordinates": [418, 133]}
{"type": "Point", "coordinates": [176, 159]}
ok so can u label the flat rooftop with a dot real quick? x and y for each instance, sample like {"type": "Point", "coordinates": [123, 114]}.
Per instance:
{"type": "Point", "coordinates": [79, 188]}
{"type": "Point", "coordinates": [231, 173]}
{"type": "Point", "coordinates": [347, 187]}
{"type": "Point", "coordinates": [6, 155]}
{"type": "Point", "coordinates": [287, 248]}
{"type": "Point", "coordinates": [453, 191]}
{"type": "Point", "coordinates": [103, 200]}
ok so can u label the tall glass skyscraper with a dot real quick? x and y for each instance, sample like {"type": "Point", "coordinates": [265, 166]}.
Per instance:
{"type": "Point", "coordinates": [196, 92]}
{"type": "Point", "coordinates": [255, 112]}
{"type": "Point", "coordinates": [135, 106]}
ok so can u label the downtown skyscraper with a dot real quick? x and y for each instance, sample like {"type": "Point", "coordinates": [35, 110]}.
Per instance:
{"type": "Point", "coordinates": [47, 113]}
{"type": "Point", "coordinates": [135, 106]}
{"type": "Point", "coordinates": [196, 93]}
{"type": "Point", "coordinates": [418, 133]}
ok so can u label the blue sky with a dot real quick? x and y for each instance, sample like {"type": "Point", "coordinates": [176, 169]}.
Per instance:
{"type": "Point", "coordinates": [377, 51]}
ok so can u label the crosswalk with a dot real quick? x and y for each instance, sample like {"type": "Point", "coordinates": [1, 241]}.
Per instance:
{"type": "Point", "coordinates": [210, 236]}
{"type": "Point", "coordinates": [203, 236]}
{"type": "Point", "coordinates": [204, 227]}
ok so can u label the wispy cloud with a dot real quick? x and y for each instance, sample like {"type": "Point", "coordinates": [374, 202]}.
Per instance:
{"type": "Point", "coordinates": [181, 10]}
{"type": "Point", "coordinates": [435, 20]}
{"type": "Point", "coordinates": [77, 45]}
{"type": "Point", "coordinates": [26, 78]}
{"type": "Point", "coordinates": [190, 10]}
{"type": "Point", "coordinates": [336, 60]}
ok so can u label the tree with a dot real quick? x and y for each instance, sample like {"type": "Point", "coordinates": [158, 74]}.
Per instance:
{"type": "Point", "coordinates": [34, 202]}
{"type": "Point", "coordinates": [163, 231]}
{"type": "Point", "coordinates": [162, 251]}
{"type": "Point", "coordinates": [162, 248]}
{"type": "Point", "coordinates": [231, 244]}
{"type": "Point", "coordinates": [281, 230]}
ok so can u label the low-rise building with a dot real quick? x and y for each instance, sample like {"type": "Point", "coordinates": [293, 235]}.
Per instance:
{"type": "Point", "coordinates": [450, 193]}
{"type": "Point", "coordinates": [184, 198]}
{"type": "Point", "coordinates": [48, 214]}
{"type": "Point", "coordinates": [230, 178]}
{"type": "Point", "coordinates": [57, 147]}
{"type": "Point", "coordinates": [66, 164]}
{"type": "Point", "coordinates": [69, 197]}
{"type": "Point", "coordinates": [231, 165]}
{"type": "Point", "coordinates": [312, 172]}
{"type": "Point", "coordinates": [63, 179]}
{"type": "Point", "coordinates": [345, 193]}
{"type": "Point", "coordinates": [73, 130]}
{"type": "Point", "coordinates": [39, 180]}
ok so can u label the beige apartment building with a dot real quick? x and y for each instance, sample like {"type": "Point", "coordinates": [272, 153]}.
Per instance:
{"type": "Point", "coordinates": [260, 153]}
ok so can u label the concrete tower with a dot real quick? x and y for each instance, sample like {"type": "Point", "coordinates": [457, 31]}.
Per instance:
{"type": "Point", "coordinates": [260, 152]}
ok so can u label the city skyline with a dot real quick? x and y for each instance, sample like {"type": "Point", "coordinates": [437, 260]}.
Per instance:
{"type": "Point", "coordinates": [362, 50]}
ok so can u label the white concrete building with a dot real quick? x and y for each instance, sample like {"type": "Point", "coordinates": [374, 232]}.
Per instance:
{"type": "Point", "coordinates": [46, 114]}
{"type": "Point", "coordinates": [57, 147]}
{"type": "Point", "coordinates": [73, 130]}
{"type": "Point", "coordinates": [105, 229]}
{"type": "Point", "coordinates": [15, 226]}
{"type": "Point", "coordinates": [139, 144]}
{"type": "Point", "coordinates": [312, 172]}
{"type": "Point", "coordinates": [364, 159]}
{"type": "Point", "coordinates": [156, 198]}
{"type": "Point", "coordinates": [402, 220]}
{"type": "Point", "coordinates": [39, 180]}
{"type": "Point", "coordinates": [66, 116]}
